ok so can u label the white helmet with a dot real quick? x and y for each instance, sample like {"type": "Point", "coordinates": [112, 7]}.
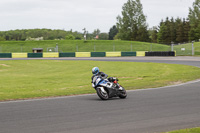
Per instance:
{"type": "Point", "coordinates": [95, 70]}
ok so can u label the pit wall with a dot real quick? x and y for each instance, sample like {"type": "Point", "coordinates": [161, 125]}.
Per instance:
{"type": "Point", "coordinates": [86, 54]}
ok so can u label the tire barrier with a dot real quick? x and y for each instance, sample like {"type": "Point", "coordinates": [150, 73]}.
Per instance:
{"type": "Point", "coordinates": [86, 54]}
{"type": "Point", "coordinates": [5, 55]}
{"type": "Point", "coordinates": [128, 54]}
{"type": "Point", "coordinates": [98, 54]}
{"type": "Point", "coordinates": [161, 53]}
{"type": "Point", "coordinates": [70, 54]}
{"type": "Point", "coordinates": [50, 55]}
{"type": "Point", "coordinates": [113, 54]}
{"type": "Point", "coordinates": [140, 53]}
{"type": "Point", "coordinates": [83, 54]}
{"type": "Point", "coordinates": [35, 55]}
{"type": "Point", "coordinates": [19, 55]}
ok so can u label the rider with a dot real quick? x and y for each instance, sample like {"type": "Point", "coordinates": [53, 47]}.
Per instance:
{"type": "Point", "coordinates": [96, 72]}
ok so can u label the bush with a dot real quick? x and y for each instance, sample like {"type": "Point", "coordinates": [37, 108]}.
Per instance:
{"type": "Point", "coordinates": [70, 37]}
{"type": "Point", "coordinates": [2, 38]}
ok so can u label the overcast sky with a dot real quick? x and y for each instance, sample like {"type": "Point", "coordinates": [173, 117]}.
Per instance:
{"type": "Point", "coordinates": [77, 14]}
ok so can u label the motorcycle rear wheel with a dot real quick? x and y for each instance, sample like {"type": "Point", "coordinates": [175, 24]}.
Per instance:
{"type": "Point", "coordinates": [102, 95]}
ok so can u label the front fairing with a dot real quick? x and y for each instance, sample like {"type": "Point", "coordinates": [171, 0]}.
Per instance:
{"type": "Point", "coordinates": [113, 89]}
{"type": "Point", "coordinates": [98, 81]}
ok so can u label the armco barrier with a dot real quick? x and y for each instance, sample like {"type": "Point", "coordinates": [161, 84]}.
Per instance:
{"type": "Point", "coordinates": [140, 53]}
{"type": "Point", "coordinates": [113, 54]}
{"type": "Point", "coordinates": [70, 54]}
{"type": "Point", "coordinates": [98, 54]}
{"type": "Point", "coordinates": [161, 53]}
{"type": "Point", "coordinates": [83, 54]}
{"type": "Point", "coordinates": [5, 55]}
{"type": "Point", "coordinates": [51, 55]}
{"type": "Point", "coordinates": [19, 55]}
{"type": "Point", "coordinates": [128, 54]}
{"type": "Point", "coordinates": [35, 55]}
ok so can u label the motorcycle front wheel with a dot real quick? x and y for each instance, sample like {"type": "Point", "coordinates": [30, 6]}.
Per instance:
{"type": "Point", "coordinates": [123, 94]}
{"type": "Point", "coordinates": [101, 94]}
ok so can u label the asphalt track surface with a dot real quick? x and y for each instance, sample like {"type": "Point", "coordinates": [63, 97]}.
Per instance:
{"type": "Point", "coordinates": [144, 111]}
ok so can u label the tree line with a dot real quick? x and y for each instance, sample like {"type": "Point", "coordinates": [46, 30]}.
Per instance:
{"type": "Point", "coordinates": [49, 34]}
{"type": "Point", "coordinates": [171, 31]}
{"type": "Point", "coordinates": [131, 25]}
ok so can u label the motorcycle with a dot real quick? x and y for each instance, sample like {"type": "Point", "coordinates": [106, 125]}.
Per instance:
{"type": "Point", "coordinates": [108, 88]}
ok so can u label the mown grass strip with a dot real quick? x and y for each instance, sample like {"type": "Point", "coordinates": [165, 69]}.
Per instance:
{"type": "Point", "coordinates": [22, 79]}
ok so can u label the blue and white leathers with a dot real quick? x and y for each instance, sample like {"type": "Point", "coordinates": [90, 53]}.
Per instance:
{"type": "Point", "coordinates": [98, 81]}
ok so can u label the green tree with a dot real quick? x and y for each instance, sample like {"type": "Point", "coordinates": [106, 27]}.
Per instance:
{"type": "Point", "coordinates": [143, 34]}
{"type": "Point", "coordinates": [172, 30]}
{"type": "Point", "coordinates": [96, 32]}
{"type": "Point", "coordinates": [153, 34]}
{"type": "Point", "coordinates": [70, 37]}
{"type": "Point", "coordinates": [162, 34]}
{"type": "Point", "coordinates": [194, 18]}
{"type": "Point", "coordinates": [186, 27]}
{"type": "Point", "coordinates": [168, 37]}
{"type": "Point", "coordinates": [2, 38]}
{"type": "Point", "coordinates": [117, 37]}
{"type": "Point", "coordinates": [113, 31]}
{"type": "Point", "coordinates": [78, 35]}
{"type": "Point", "coordinates": [179, 31]}
{"type": "Point", "coordinates": [103, 36]}
{"type": "Point", "coordinates": [132, 25]}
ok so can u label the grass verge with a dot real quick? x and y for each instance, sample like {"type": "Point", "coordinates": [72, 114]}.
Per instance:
{"type": "Point", "coordinates": [94, 46]}
{"type": "Point", "coordinates": [191, 130]}
{"type": "Point", "coordinates": [81, 46]}
{"type": "Point", "coordinates": [197, 48]}
{"type": "Point", "coordinates": [22, 79]}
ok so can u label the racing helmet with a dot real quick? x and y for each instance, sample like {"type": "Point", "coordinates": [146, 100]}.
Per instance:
{"type": "Point", "coordinates": [95, 70]}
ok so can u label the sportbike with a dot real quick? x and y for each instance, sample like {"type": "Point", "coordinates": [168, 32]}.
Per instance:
{"type": "Point", "coordinates": [108, 88]}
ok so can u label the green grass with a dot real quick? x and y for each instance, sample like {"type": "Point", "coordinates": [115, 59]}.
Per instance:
{"type": "Point", "coordinates": [191, 130]}
{"type": "Point", "coordinates": [94, 45]}
{"type": "Point", "coordinates": [80, 46]}
{"type": "Point", "coordinates": [197, 48]}
{"type": "Point", "coordinates": [22, 79]}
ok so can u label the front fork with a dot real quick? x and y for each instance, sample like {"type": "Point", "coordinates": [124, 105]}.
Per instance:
{"type": "Point", "coordinates": [102, 89]}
